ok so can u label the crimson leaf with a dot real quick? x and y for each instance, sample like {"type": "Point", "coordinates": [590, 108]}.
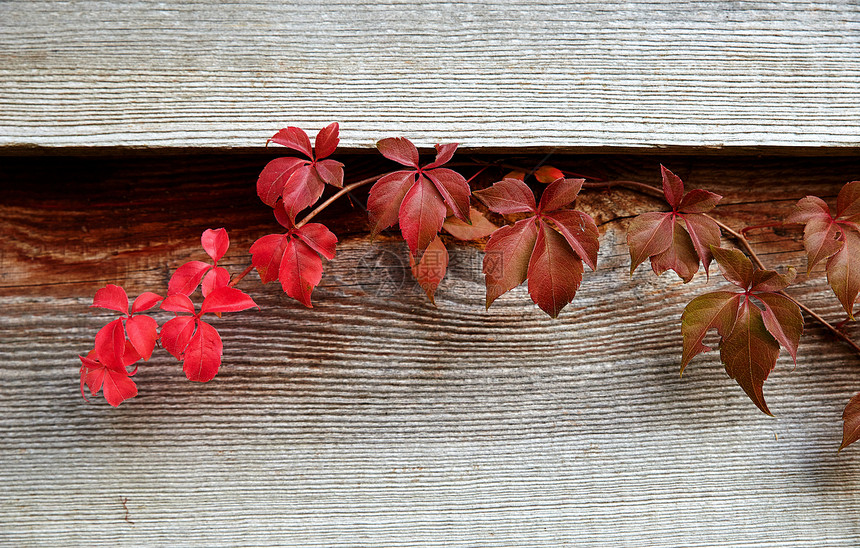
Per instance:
{"type": "Point", "coordinates": [547, 248]}
{"type": "Point", "coordinates": [752, 323]}
{"type": "Point", "coordinates": [431, 269]}
{"type": "Point", "coordinates": [678, 239]}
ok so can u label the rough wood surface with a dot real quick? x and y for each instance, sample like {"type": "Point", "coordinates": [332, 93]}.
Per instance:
{"type": "Point", "coordinates": [375, 419]}
{"type": "Point", "coordinates": [498, 73]}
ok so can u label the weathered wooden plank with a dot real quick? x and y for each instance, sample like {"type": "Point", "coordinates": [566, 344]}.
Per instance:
{"type": "Point", "coordinates": [375, 419]}
{"type": "Point", "coordinates": [547, 73]}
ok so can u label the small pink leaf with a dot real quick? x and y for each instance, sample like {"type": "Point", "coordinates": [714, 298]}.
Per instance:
{"type": "Point", "coordinates": [145, 301]}
{"type": "Point", "coordinates": [400, 150]}
{"type": "Point", "coordinates": [294, 138]}
{"type": "Point", "coordinates": [187, 277]}
{"type": "Point", "coordinates": [508, 196]}
{"type": "Point", "coordinates": [673, 188]}
{"type": "Point", "coordinates": [327, 140]}
{"type": "Point", "coordinates": [202, 356]}
{"type": "Point", "coordinates": [481, 227]}
{"type": "Point", "coordinates": [178, 303]}
{"type": "Point", "coordinates": [142, 332]}
{"type": "Point", "coordinates": [559, 194]}
{"type": "Point", "coordinates": [215, 242]}
{"type": "Point", "coordinates": [319, 238]}
{"type": "Point", "coordinates": [112, 297]}
{"type": "Point", "coordinates": [227, 299]}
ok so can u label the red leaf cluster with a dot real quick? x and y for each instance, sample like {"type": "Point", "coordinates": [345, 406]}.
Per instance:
{"type": "Point", "coordinates": [752, 323]}
{"type": "Point", "coordinates": [676, 240]}
{"type": "Point", "coordinates": [119, 344]}
{"type": "Point", "coordinates": [187, 277]}
{"type": "Point", "coordinates": [297, 183]}
{"type": "Point", "coordinates": [834, 238]}
{"type": "Point", "coordinates": [547, 248]}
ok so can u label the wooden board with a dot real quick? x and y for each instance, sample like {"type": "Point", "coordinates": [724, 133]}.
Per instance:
{"type": "Point", "coordinates": [645, 74]}
{"type": "Point", "coordinates": [375, 419]}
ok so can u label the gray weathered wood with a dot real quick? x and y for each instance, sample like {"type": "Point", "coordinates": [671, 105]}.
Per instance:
{"type": "Point", "coordinates": [547, 73]}
{"type": "Point", "coordinates": [375, 419]}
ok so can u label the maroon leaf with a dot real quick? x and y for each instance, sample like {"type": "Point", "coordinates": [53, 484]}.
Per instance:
{"type": "Point", "coordinates": [202, 356]}
{"type": "Point", "coordinates": [481, 227]}
{"type": "Point", "coordinates": [704, 233]}
{"type": "Point", "coordinates": [421, 215]}
{"type": "Point", "coordinates": [400, 150]}
{"type": "Point", "coordinates": [112, 297]}
{"type": "Point", "coordinates": [227, 299]}
{"type": "Point", "coordinates": [783, 320]}
{"type": "Point", "coordinates": [508, 196]}
{"type": "Point", "coordinates": [327, 140]}
{"type": "Point", "coordinates": [699, 201]}
{"type": "Point", "coordinates": [673, 188]}
{"type": "Point", "coordinates": [142, 332]}
{"type": "Point", "coordinates": [432, 267]}
{"type": "Point", "coordinates": [848, 202]}
{"type": "Point", "coordinates": [808, 208]}
{"type": "Point", "coordinates": [330, 172]}
{"type": "Point", "coordinates": [554, 271]}
{"type": "Point", "coordinates": [680, 256]}
{"type": "Point", "coordinates": [734, 266]}
{"type": "Point", "coordinates": [851, 422]}
{"type": "Point", "coordinates": [772, 281]}
{"type": "Point", "coordinates": [454, 190]}
{"type": "Point", "coordinates": [385, 198]}
{"type": "Point", "coordinates": [506, 257]}
{"type": "Point", "coordinates": [749, 353]}
{"type": "Point", "coordinates": [649, 234]}
{"type": "Point", "coordinates": [187, 277]}
{"type": "Point", "coordinates": [821, 238]}
{"type": "Point", "coordinates": [215, 243]}
{"type": "Point", "coordinates": [580, 231]}
{"type": "Point", "coordinates": [559, 194]}
{"type": "Point", "coordinates": [843, 271]}
{"type": "Point", "coordinates": [444, 153]}
{"type": "Point", "coordinates": [716, 310]}
{"type": "Point", "coordinates": [274, 177]}
{"type": "Point", "coordinates": [294, 138]}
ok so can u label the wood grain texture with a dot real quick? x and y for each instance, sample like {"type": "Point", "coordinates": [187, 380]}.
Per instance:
{"type": "Point", "coordinates": [375, 419]}
{"type": "Point", "coordinates": [644, 74]}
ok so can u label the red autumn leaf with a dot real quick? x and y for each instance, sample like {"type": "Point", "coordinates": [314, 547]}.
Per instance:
{"type": "Point", "coordinates": [548, 174]}
{"type": "Point", "coordinates": [296, 182]}
{"type": "Point", "coordinates": [142, 330]}
{"type": "Point", "coordinates": [215, 278]}
{"type": "Point", "coordinates": [481, 227]}
{"type": "Point", "coordinates": [752, 323]}
{"type": "Point", "coordinates": [836, 239]}
{"type": "Point", "coordinates": [215, 243]}
{"type": "Point", "coordinates": [294, 259]}
{"type": "Point", "coordinates": [202, 357]}
{"type": "Point", "coordinates": [547, 249]}
{"type": "Point", "coordinates": [187, 277]}
{"type": "Point", "coordinates": [417, 198]}
{"type": "Point", "coordinates": [193, 341]}
{"type": "Point", "coordinates": [851, 422]}
{"type": "Point", "coordinates": [678, 239]}
{"type": "Point", "coordinates": [112, 379]}
{"type": "Point", "coordinates": [431, 269]}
